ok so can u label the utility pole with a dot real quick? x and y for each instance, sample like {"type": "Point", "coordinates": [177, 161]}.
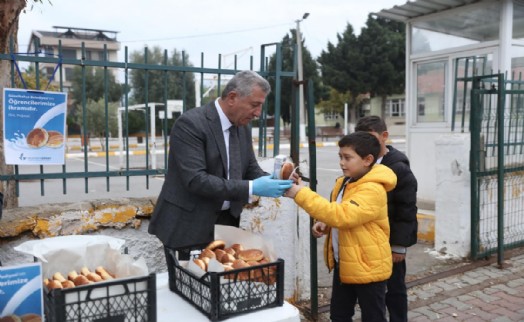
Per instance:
{"type": "Point", "coordinates": [302, 126]}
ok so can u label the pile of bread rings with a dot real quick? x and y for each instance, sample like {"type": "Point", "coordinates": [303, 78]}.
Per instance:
{"type": "Point", "coordinates": [236, 257]}
{"type": "Point", "coordinates": [73, 279]}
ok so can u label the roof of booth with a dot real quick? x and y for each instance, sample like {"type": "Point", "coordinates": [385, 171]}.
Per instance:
{"type": "Point", "coordinates": [419, 8]}
{"type": "Point", "coordinates": [480, 23]}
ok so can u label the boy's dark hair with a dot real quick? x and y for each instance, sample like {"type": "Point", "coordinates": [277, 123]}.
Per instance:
{"type": "Point", "coordinates": [363, 143]}
{"type": "Point", "coordinates": [371, 123]}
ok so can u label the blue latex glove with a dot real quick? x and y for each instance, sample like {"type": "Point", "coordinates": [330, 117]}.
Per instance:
{"type": "Point", "coordinates": [267, 187]}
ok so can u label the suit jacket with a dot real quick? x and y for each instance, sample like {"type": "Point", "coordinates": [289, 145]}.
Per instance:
{"type": "Point", "coordinates": [196, 182]}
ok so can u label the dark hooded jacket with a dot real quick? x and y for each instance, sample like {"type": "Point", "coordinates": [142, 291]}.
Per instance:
{"type": "Point", "coordinates": [402, 201]}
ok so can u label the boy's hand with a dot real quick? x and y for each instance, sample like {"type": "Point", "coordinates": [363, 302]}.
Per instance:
{"type": "Point", "coordinates": [292, 192]}
{"type": "Point", "coordinates": [318, 229]}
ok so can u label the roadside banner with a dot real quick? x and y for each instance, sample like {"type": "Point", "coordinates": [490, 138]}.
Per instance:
{"type": "Point", "coordinates": [21, 293]}
{"type": "Point", "coordinates": [34, 126]}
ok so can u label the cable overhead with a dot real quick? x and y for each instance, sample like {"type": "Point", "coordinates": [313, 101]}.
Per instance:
{"type": "Point", "coordinates": [206, 35]}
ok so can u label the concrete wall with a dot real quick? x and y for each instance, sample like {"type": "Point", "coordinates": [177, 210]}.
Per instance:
{"type": "Point", "coordinates": [453, 194]}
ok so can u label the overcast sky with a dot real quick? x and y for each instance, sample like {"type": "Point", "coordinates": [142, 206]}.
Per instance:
{"type": "Point", "coordinates": [210, 26]}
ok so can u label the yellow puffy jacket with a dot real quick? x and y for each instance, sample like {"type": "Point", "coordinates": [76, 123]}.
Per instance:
{"type": "Point", "coordinates": [362, 220]}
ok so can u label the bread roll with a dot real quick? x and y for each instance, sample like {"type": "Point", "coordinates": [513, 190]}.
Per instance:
{"type": "Point", "coordinates": [37, 138]}
{"type": "Point", "coordinates": [68, 284]}
{"type": "Point", "coordinates": [31, 317]}
{"type": "Point", "coordinates": [103, 273]}
{"type": "Point", "coordinates": [85, 271]}
{"type": "Point", "coordinates": [55, 139]}
{"type": "Point", "coordinates": [237, 248]}
{"type": "Point", "coordinates": [94, 277]}
{"type": "Point", "coordinates": [200, 263]}
{"type": "Point", "coordinates": [72, 275]}
{"type": "Point", "coordinates": [240, 263]}
{"type": "Point", "coordinates": [81, 280]}
{"type": "Point", "coordinates": [227, 258]}
{"type": "Point", "coordinates": [54, 284]}
{"type": "Point", "coordinates": [244, 275]}
{"type": "Point", "coordinates": [251, 255]}
{"type": "Point", "coordinates": [230, 250]}
{"type": "Point", "coordinates": [286, 170]}
{"type": "Point", "coordinates": [59, 277]}
{"type": "Point", "coordinates": [10, 318]}
{"type": "Point", "coordinates": [219, 253]}
{"type": "Point", "coordinates": [207, 253]}
{"type": "Point", "coordinates": [220, 244]}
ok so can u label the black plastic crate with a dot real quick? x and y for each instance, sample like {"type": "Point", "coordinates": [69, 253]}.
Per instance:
{"type": "Point", "coordinates": [223, 295]}
{"type": "Point", "coordinates": [120, 300]}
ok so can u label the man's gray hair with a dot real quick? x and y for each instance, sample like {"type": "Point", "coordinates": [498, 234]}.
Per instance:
{"type": "Point", "coordinates": [243, 83]}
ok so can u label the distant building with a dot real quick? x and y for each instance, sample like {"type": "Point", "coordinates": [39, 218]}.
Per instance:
{"type": "Point", "coordinates": [70, 39]}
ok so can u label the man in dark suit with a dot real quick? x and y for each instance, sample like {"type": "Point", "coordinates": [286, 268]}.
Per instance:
{"type": "Point", "coordinates": [198, 191]}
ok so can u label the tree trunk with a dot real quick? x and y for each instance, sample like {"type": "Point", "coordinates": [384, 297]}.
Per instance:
{"type": "Point", "coordinates": [9, 12]}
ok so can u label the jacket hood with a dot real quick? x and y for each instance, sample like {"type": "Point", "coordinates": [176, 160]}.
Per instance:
{"type": "Point", "coordinates": [380, 174]}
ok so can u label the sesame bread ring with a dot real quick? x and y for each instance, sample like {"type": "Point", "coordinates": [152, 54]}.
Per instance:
{"type": "Point", "coordinates": [251, 255]}
{"type": "Point", "coordinates": [220, 244]}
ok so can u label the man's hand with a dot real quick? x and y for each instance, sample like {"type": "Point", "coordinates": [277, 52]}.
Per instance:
{"type": "Point", "coordinates": [267, 187]}
{"type": "Point", "coordinates": [318, 229]}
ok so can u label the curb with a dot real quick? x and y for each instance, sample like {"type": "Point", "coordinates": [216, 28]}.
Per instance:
{"type": "Point", "coordinates": [426, 225]}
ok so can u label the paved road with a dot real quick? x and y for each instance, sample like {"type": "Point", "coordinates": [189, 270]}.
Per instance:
{"type": "Point", "coordinates": [479, 293]}
{"type": "Point", "coordinates": [35, 192]}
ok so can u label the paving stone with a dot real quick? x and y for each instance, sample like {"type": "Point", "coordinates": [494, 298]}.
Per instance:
{"type": "Point", "coordinates": [430, 314]}
{"type": "Point", "coordinates": [484, 297]}
{"type": "Point", "coordinates": [438, 306]}
{"type": "Point", "coordinates": [458, 305]}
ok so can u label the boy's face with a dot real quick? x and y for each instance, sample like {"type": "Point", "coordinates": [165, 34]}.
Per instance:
{"type": "Point", "coordinates": [351, 164]}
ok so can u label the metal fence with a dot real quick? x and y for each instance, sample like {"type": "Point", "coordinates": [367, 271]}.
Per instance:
{"type": "Point", "coordinates": [496, 123]}
{"type": "Point", "coordinates": [124, 163]}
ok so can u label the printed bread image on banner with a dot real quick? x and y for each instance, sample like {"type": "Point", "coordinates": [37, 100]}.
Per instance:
{"type": "Point", "coordinates": [34, 126]}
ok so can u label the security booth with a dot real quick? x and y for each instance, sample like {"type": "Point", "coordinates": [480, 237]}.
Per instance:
{"type": "Point", "coordinates": [456, 135]}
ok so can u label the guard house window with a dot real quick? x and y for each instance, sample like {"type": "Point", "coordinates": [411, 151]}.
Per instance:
{"type": "Point", "coordinates": [395, 107]}
{"type": "Point", "coordinates": [430, 91]}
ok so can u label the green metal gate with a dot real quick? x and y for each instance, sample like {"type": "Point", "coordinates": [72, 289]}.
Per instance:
{"type": "Point", "coordinates": [496, 164]}
{"type": "Point", "coordinates": [43, 173]}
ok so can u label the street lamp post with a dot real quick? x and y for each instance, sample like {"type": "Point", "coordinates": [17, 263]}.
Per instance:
{"type": "Point", "coordinates": [302, 126]}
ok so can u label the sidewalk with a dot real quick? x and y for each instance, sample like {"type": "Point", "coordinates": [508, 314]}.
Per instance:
{"type": "Point", "coordinates": [456, 290]}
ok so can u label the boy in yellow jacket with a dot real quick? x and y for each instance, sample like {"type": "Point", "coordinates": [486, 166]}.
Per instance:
{"type": "Point", "coordinates": [357, 244]}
